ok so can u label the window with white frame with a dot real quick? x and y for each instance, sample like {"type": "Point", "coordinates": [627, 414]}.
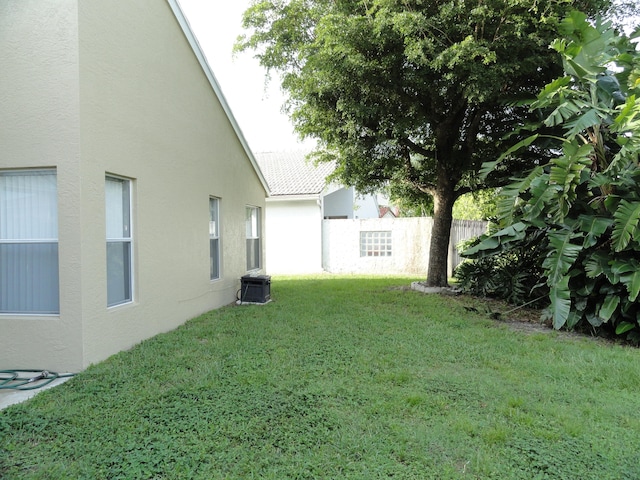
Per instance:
{"type": "Point", "coordinates": [29, 282]}
{"type": "Point", "coordinates": [375, 244]}
{"type": "Point", "coordinates": [214, 237]}
{"type": "Point", "coordinates": [119, 238]}
{"type": "Point", "coordinates": [253, 237]}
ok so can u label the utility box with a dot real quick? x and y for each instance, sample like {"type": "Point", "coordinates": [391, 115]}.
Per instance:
{"type": "Point", "coordinates": [255, 288]}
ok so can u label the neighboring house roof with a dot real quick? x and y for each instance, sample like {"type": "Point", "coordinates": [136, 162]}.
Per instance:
{"type": "Point", "coordinates": [290, 173]}
{"type": "Point", "coordinates": [388, 212]}
{"type": "Point", "coordinates": [195, 46]}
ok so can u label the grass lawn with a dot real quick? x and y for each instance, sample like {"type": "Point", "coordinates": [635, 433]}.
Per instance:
{"type": "Point", "coordinates": [339, 378]}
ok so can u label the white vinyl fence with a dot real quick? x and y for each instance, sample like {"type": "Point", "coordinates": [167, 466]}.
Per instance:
{"type": "Point", "coordinates": [388, 245]}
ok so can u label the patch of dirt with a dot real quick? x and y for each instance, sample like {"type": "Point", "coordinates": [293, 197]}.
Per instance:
{"type": "Point", "coordinates": [522, 319]}
{"type": "Point", "coordinates": [518, 318]}
{"type": "Point", "coordinates": [527, 326]}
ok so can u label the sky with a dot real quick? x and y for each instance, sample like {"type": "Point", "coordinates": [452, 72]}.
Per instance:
{"type": "Point", "coordinates": [256, 106]}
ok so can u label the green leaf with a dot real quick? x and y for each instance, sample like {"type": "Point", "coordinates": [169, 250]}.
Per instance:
{"type": "Point", "coordinates": [587, 288]}
{"type": "Point", "coordinates": [541, 193]}
{"type": "Point", "coordinates": [597, 264]}
{"type": "Point", "coordinates": [593, 226]}
{"type": "Point", "coordinates": [562, 113]}
{"type": "Point", "coordinates": [580, 304]}
{"type": "Point", "coordinates": [498, 240]}
{"type": "Point", "coordinates": [577, 69]}
{"type": "Point", "coordinates": [632, 282]}
{"type": "Point", "coordinates": [572, 320]}
{"type": "Point", "coordinates": [625, 226]}
{"type": "Point", "coordinates": [627, 112]}
{"type": "Point", "coordinates": [586, 120]}
{"type": "Point", "coordinates": [488, 244]}
{"type": "Point", "coordinates": [620, 267]}
{"type": "Point", "coordinates": [593, 319]}
{"type": "Point", "coordinates": [488, 167]}
{"type": "Point", "coordinates": [608, 307]}
{"type": "Point", "coordinates": [550, 91]}
{"type": "Point", "coordinates": [609, 84]}
{"type": "Point", "coordinates": [624, 327]}
{"type": "Point", "coordinates": [574, 21]}
{"type": "Point", "coordinates": [560, 302]}
{"type": "Point", "coordinates": [562, 256]}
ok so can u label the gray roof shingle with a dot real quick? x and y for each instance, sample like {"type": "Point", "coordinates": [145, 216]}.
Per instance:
{"type": "Point", "coordinates": [290, 173]}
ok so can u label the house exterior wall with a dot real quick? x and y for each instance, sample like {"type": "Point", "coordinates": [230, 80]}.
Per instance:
{"type": "Point", "coordinates": [133, 102]}
{"type": "Point", "coordinates": [410, 245]}
{"type": "Point", "coordinates": [294, 227]}
{"type": "Point", "coordinates": [294, 233]}
{"type": "Point", "coordinates": [40, 120]}
{"type": "Point", "coordinates": [338, 203]}
{"type": "Point", "coordinates": [345, 202]}
{"type": "Point", "coordinates": [366, 206]}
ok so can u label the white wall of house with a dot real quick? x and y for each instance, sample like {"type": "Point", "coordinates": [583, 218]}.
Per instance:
{"type": "Point", "coordinates": [294, 235]}
{"type": "Point", "coordinates": [366, 206]}
{"type": "Point", "coordinates": [294, 227]}
{"type": "Point", "coordinates": [410, 241]}
{"type": "Point", "coordinates": [345, 202]}
{"type": "Point", "coordinates": [338, 203]}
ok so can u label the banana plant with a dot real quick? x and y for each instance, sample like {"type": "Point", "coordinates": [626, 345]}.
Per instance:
{"type": "Point", "coordinates": [586, 200]}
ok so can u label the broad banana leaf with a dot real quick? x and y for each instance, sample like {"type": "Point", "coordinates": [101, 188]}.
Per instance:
{"type": "Point", "coordinates": [596, 265]}
{"type": "Point", "coordinates": [497, 241]}
{"type": "Point", "coordinates": [560, 302]}
{"type": "Point", "coordinates": [593, 226]}
{"type": "Point", "coordinates": [488, 167]}
{"type": "Point", "coordinates": [562, 256]}
{"type": "Point", "coordinates": [632, 282]}
{"type": "Point", "coordinates": [625, 226]}
{"type": "Point", "coordinates": [608, 307]}
{"type": "Point", "coordinates": [624, 327]}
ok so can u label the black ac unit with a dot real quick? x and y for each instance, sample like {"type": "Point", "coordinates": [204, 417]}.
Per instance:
{"type": "Point", "coordinates": [255, 288]}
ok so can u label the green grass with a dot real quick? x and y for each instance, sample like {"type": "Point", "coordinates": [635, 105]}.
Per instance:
{"type": "Point", "coordinates": [339, 378]}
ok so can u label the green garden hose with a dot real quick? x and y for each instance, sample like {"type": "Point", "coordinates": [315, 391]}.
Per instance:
{"type": "Point", "coordinates": [12, 379]}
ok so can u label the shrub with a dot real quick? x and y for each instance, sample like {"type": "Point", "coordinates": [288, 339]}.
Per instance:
{"type": "Point", "coordinates": [586, 200]}
{"type": "Point", "coordinates": [512, 275]}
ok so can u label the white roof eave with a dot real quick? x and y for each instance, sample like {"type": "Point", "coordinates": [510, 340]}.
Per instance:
{"type": "Point", "coordinates": [202, 59]}
{"type": "Point", "coordinates": [293, 198]}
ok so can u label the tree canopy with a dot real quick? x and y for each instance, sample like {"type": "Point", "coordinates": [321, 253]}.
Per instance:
{"type": "Point", "coordinates": [412, 94]}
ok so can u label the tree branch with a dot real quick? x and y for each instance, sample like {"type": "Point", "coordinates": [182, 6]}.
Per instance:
{"type": "Point", "coordinates": [415, 147]}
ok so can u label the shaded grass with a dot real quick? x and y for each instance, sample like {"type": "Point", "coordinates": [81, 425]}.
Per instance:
{"type": "Point", "coordinates": [338, 378]}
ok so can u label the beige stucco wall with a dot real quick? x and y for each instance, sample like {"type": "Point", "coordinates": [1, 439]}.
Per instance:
{"type": "Point", "coordinates": [143, 109]}
{"type": "Point", "coordinates": [39, 115]}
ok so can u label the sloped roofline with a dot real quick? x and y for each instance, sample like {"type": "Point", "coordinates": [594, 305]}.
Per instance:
{"type": "Point", "coordinates": [290, 174]}
{"type": "Point", "coordinates": [202, 59]}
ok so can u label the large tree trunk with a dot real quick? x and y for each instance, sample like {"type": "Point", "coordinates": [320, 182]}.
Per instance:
{"type": "Point", "coordinates": [443, 199]}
